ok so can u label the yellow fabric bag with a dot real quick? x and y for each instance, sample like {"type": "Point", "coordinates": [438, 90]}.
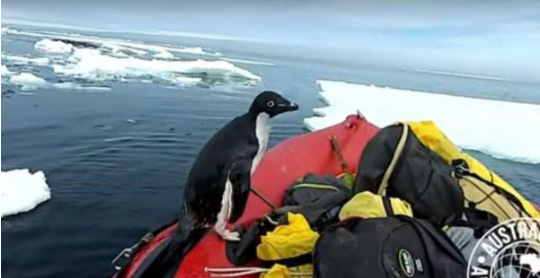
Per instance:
{"type": "Point", "coordinates": [369, 205]}
{"type": "Point", "coordinates": [281, 271]}
{"type": "Point", "coordinates": [286, 242]}
{"type": "Point", "coordinates": [277, 271]}
{"type": "Point", "coordinates": [433, 138]}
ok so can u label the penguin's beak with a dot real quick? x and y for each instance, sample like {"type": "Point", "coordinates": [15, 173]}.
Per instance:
{"type": "Point", "coordinates": [289, 106]}
{"type": "Point", "coordinates": [293, 106]}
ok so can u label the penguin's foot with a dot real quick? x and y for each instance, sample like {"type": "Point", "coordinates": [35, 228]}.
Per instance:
{"type": "Point", "coordinates": [229, 236]}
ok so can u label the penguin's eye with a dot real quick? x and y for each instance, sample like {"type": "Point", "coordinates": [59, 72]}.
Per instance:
{"type": "Point", "coordinates": [270, 104]}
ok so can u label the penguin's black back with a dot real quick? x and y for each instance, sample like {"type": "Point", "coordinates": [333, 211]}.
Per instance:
{"type": "Point", "coordinates": [235, 141]}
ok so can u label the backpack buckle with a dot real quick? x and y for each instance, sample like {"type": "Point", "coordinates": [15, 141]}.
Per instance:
{"type": "Point", "coordinates": [461, 167]}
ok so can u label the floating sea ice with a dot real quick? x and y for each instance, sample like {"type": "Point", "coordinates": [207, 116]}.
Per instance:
{"type": "Point", "coordinates": [6, 72]}
{"type": "Point", "coordinates": [55, 47]}
{"type": "Point", "coordinates": [21, 60]}
{"type": "Point", "coordinates": [194, 50]}
{"type": "Point", "coordinates": [122, 51]}
{"type": "Point", "coordinates": [102, 59]}
{"type": "Point", "coordinates": [28, 81]}
{"type": "Point", "coordinates": [249, 62]}
{"type": "Point", "coordinates": [501, 129]}
{"type": "Point", "coordinates": [166, 55]}
{"type": "Point", "coordinates": [75, 86]}
{"type": "Point", "coordinates": [22, 191]}
{"type": "Point", "coordinates": [186, 81]}
{"type": "Point", "coordinates": [93, 64]}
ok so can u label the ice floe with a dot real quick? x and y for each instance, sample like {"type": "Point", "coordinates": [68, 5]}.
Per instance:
{"type": "Point", "coordinates": [506, 130]}
{"type": "Point", "coordinates": [6, 72]}
{"type": "Point", "coordinates": [143, 48]}
{"type": "Point", "coordinates": [464, 75]}
{"type": "Point", "coordinates": [182, 80]}
{"type": "Point", "coordinates": [78, 87]}
{"type": "Point", "coordinates": [22, 191]}
{"type": "Point", "coordinates": [94, 65]}
{"type": "Point", "coordinates": [76, 58]}
{"type": "Point", "coordinates": [248, 62]}
{"type": "Point", "coordinates": [50, 46]}
{"type": "Point", "coordinates": [164, 55]}
{"type": "Point", "coordinates": [27, 81]}
{"type": "Point", "coordinates": [21, 60]}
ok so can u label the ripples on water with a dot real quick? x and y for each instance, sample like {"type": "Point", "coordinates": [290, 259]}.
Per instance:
{"type": "Point", "coordinates": [115, 163]}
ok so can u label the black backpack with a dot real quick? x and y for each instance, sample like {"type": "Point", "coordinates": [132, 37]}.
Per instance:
{"type": "Point", "coordinates": [396, 164]}
{"type": "Point", "coordinates": [318, 199]}
{"type": "Point", "coordinates": [392, 247]}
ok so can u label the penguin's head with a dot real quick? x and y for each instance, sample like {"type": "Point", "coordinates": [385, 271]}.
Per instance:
{"type": "Point", "coordinates": [271, 103]}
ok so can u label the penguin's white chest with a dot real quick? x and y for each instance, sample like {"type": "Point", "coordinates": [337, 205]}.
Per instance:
{"type": "Point", "coordinates": [262, 131]}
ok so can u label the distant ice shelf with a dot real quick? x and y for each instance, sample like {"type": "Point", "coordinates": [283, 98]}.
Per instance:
{"type": "Point", "coordinates": [502, 129]}
{"type": "Point", "coordinates": [51, 46]}
{"type": "Point", "coordinates": [22, 191]}
{"type": "Point", "coordinates": [93, 64]}
{"type": "Point", "coordinates": [248, 62]}
{"type": "Point", "coordinates": [83, 59]}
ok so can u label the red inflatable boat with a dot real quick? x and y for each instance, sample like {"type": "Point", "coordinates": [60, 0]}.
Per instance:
{"type": "Point", "coordinates": [283, 164]}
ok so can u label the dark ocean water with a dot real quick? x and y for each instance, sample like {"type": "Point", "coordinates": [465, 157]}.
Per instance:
{"type": "Point", "coordinates": [116, 160]}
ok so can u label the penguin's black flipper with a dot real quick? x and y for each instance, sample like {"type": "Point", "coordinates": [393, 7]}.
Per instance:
{"type": "Point", "coordinates": [240, 177]}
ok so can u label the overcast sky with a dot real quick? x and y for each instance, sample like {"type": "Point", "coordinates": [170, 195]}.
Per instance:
{"type": "Point", "coordinates": [486, 37]}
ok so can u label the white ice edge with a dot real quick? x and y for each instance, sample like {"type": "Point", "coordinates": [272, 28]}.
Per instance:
{"type": "Point", "coordinates": [166, 55]}
{"type": "Point", "coordinates": [248, 62]}
{"type": "Point", "coordinates": [54, 47]}
{"type": "Point", "coordinates": [93, 64]}
{"type": "Point", "coordinates": [502, 129]}
{"type": "Point", "coordinates": [6, 72]}
{"type": "Point", "coordinates": [21, 60]}
{"type": "Point", "coordinates": [29, 82]}
{"type": "Point", "coordinates": [22, 191]}
{"type": "Point", "coordinates": [464, 75]}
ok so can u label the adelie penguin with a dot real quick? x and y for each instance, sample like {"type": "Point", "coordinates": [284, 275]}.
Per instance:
{"type": "Point", "coordinates": [218, 184]}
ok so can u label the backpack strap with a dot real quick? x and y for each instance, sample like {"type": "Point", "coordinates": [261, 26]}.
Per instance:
{"type": "Point", "coordinates": [426, 229]}
{"type": "Point", "coordinates": [387, 206]}
{"type": "Point", "coordinates": [393, 162]}
{"type": "Point", "coordinates": [462, 171]}
{"type": "Point", "coordinates": [294, 261]}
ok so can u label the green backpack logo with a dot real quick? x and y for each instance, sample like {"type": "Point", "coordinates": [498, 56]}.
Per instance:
{"type": "Point", "coordinates": [406, 262]}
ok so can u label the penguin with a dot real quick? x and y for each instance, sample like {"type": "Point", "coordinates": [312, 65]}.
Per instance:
{"type": "Point", "coordinates": [219, 182]}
